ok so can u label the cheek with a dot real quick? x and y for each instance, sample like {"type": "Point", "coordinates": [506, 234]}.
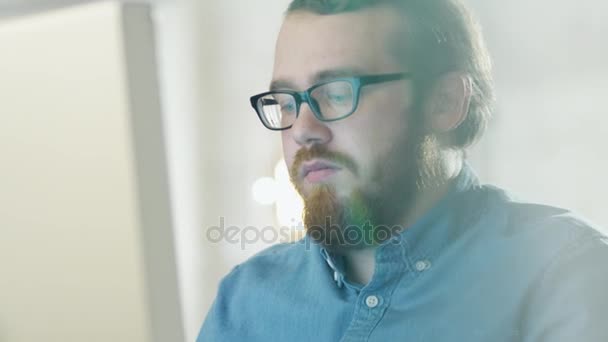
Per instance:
{"type": "Point", "coordinates": [372, 140]}
{"type": "Point", "coordinates": [374, 131]}
{"type": "Point", "coordinates": [289, 148]}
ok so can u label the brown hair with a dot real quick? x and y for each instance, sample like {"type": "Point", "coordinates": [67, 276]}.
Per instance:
{"type": "Point", "coordinates": [441, 36]}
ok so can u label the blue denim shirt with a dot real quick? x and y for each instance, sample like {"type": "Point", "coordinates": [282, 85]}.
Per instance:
{"type": "Point", "coordinates": [479, 266]}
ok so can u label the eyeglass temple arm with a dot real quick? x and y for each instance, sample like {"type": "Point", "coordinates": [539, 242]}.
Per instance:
{"type": "Point", "coordinates": [267, 102]}
{"type": "Point", "coordinates": [384, 78]}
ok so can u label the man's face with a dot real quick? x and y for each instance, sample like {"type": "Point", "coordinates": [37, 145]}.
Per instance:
{"type": "Point", "coordinates": [368, 156]}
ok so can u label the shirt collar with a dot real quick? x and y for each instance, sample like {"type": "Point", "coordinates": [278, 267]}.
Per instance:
{"type": "Point", "coordinates": [439, 225]}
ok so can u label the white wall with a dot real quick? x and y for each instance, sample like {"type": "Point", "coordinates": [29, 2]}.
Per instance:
{"type": "Point", "coordinates": [177, 37]}
{"type": "Point", "coordinates": [213, 56]}
{"type": "Point", "coordinates": [548, 138]}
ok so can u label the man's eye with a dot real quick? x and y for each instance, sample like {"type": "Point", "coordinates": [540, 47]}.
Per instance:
{"type": "Point", "coordinates": [288, 107]}
{"type": "Point", "coordinates": [339, 98]}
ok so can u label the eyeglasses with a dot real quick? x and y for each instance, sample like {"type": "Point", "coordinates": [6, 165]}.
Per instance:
{"type": "Point", "coordinates": [329, 101]}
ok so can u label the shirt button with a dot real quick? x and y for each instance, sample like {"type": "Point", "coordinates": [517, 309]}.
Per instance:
{"type": "Point", "coordinates": [371, 301]}
{"type": "Point", "coordinates": [422, 265]}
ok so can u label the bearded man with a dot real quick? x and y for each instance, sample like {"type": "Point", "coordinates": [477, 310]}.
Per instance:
{"type": "Point", "coordinates": [376, 103]}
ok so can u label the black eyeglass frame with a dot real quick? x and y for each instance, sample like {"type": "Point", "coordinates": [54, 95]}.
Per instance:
{"type": "Point", "coordinates": [305, 96]}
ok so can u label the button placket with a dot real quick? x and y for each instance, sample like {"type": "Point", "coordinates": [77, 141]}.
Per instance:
{"type": "Point", "coordinates": [374, 298]}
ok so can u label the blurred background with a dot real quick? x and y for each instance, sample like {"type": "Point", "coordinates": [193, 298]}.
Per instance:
{"type": "Point", "coordinates": [127, 144]}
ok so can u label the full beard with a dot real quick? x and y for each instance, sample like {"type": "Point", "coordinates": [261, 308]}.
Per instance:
{"type": "Point", "coordinates": [369, 217]}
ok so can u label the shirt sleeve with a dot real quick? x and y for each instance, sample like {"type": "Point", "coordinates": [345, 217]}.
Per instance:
{"type": "Point", "coordinates": [569, 300]}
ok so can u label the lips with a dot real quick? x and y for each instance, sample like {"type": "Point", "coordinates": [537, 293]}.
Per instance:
{"type": "Point", "coordinates": [317, 171]}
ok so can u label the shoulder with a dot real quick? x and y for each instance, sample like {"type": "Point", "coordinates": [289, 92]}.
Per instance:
{"type": "Point", "coordinates": [271, 267]}
{"type": "Point", "coordinates": [524, 218]}
{"type": "Point", "coordinates": [565, 299]}
{"type": "Point", "coordinates": [559, 259]}
{"type": "Point", "coordinates": [534, 237]}
{"type": "Point", "coordinates": [274, 260]}
{"type": "Point", "coordinates": [251, 288]}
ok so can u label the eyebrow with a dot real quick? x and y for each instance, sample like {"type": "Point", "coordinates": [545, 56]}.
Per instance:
{"type": "Point", "coordinates": [318, 77]}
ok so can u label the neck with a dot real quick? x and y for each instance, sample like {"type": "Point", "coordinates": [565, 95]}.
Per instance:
{"type": "Point", "coordinates": [360, 263]}
{"type": "Point", "coordinates": [452, 163]}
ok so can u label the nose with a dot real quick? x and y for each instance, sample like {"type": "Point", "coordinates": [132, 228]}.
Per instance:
{"type": "Point", "coordinates": [307, 130]}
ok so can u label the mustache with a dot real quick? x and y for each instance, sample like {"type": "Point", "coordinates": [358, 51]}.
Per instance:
{"type": "Point", "coordinates": [321, 152]}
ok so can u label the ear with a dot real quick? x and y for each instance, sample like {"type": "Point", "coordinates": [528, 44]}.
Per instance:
{"type": "Point", "coordinates": [448, 103]}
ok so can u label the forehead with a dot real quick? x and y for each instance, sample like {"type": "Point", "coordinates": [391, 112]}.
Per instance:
{"type": "Point", "coordinates": [310, 44]}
